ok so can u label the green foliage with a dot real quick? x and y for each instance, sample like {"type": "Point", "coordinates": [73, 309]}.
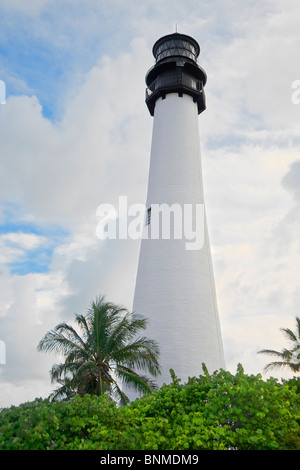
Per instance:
{"type": "Point", "coordinates": [225, 411]}
{"type": "Point", "coordinates": [89, 422]}
{"type": "Point", "coordinates": [218, 411]}
{"type": "Point", "coordinates": [293, 383]}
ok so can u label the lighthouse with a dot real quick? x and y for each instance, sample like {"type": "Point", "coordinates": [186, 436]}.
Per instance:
{"type": "Point", "coordinates": [175, 287]}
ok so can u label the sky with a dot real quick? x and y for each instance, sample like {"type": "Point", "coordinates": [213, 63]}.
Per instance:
{"type": "Point", "coordinates": [75, 133]}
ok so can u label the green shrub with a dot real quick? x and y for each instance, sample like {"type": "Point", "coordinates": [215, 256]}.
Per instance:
{"type": "Point", "coordinates": [218, 411]}
{"type": "Point", "coordinates": [90, 422]}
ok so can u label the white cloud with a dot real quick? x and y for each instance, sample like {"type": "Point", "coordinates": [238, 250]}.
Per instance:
{"type": "Point", "coordinates": [77, 164]}
{"type": "Point", "coordinates": [27, 241]}
{"type": "Point", "coordinates": [6, 298]}
{"type": "Point", "coordinates": [291, 181]}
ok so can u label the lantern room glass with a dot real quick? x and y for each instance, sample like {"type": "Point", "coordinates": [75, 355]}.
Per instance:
{"type": "Point", "coordinates": [176, 47]}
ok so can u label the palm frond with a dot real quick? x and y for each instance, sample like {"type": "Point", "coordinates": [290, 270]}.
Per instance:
{"type": "Point", "coordinates": [83, 324]}
{"type": "Point", "coordinates": [289, 357]}
{"type": "Point", "coordinates": [103, 317]}
{"type": "Point", "coordinates": [134, 381]}
{"type": "Point", "coordinates": [298, 328]}
{"type": "Point", "coordinates": [289, 334]}
{"type": "Point", "coordinates": [271, 352]}
{"type": "Point", "coordinates": [125, 330]}
{"type": "Point", "coordinates": [62, 339]}
{"type": "Point", "coordinates": [276, 365]}
{"type": "Point", "coordinates": [118, 395]}
{"type": "Point", "coordinates": [63, 371]}
{"type": "Point", "coordinates": [141, 354]}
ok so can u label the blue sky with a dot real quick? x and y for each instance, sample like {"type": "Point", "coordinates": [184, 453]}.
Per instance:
{"type": "Point", "coordinates": [42, 55]}
{"type": "Point", "coordinates": [28, 247]}
{"type": "Point", "coordinates": [75, 133]}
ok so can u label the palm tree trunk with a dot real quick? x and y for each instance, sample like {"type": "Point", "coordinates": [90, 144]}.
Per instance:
{"type": "Point", "coordinates": [100, 384]}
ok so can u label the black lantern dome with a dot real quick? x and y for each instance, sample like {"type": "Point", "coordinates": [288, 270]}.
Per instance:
{"type": "Point", "coordinates": [176, 70]}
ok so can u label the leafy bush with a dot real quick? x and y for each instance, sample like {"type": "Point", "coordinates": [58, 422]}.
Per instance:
{"type": "Point", "coordinates": [90, 422]}
{"type": "Point", "coordinates": [218, 411]}
{"type": "Point", "coordinates": [222, 411]}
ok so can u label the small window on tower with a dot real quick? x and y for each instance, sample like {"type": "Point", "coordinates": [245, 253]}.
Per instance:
{"type": "Point", "coordinates": [148, 216]}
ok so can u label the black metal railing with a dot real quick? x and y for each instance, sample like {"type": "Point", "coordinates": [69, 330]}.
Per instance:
{"type": "Point", "coordinates": [174, 80]}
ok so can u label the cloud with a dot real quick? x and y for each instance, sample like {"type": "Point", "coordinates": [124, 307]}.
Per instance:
{"type": "Point", "coordinates": [21, 329]}
{"type": "Point", "coordinates": [291, 181]}
{"type": "Point", "coordinates": [28, 241]}
{"type": "Point", "coordinates": [71, 164]}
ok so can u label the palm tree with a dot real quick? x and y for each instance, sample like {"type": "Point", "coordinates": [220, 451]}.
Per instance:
{"type": "Point", "coordinates": [107, 351]}
{"type": "Point", "coordinates": [288, 357]}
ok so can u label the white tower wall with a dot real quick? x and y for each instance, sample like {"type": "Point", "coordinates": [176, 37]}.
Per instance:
{"type": "Point", "coordinates": [175, 288]}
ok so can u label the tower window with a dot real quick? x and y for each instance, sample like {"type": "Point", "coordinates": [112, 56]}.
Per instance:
{"type": "Point", "coordinates": [148, 220]}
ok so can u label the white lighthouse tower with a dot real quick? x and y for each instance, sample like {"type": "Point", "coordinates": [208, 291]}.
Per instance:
{"type": "Point", "coordinates": [175, 288]}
